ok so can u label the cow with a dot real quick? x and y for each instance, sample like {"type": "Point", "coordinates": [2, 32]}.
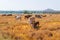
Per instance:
{"type": "Point", "coordinates": [32, 20]}
{"type": "Point", "coordinates": [38, 16]}
{"type": "Point", "coordinates": [36, 25]}
{"type": "Point", "coordinates": [3, 14]}
{"type": "Point", "coordinates": [9, 15]}
{"type": "Point", "coordinates": [17, 17]}
{"type": "Point", "coordinates": [33, 23]}
{"type": "Point", "coordinates": [43, 15]}
{"type": "Point", "coordinates": [27, 16]}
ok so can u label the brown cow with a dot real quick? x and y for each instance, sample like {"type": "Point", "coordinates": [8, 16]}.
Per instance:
{"type": "Point", "coordinates": [32, 20]}
{"type": "Point", "coordinates": [28, 16]}
{"type": "Point", "coordinates": [43, 15]}
{"type": "Point", "coordinates": [3, 14]}
{"type": "Point", "coordinates": [34, 24]}
{"type": "Point", "coordinates": [9, 15]}
{"type": "Point", "coordinates": [38, 16]}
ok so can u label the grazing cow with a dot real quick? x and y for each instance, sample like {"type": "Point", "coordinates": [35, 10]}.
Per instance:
{"type": "Point", "coordinates": [43, 15]}
{"type": "Point", "coordinates": [32, 20]}
{"type": "Point", "coordinates": [34, 24]}
{"type": "Point", "coordinates": [9, 15]}
{"type": "Point", "coordinates": [27, 16]}
{"type": "Point", "coordinates": [38, 16]}
{"type": "Point", "coordinates": [3, 14]}
{"type": "Point", "coordinates": [17, 17]}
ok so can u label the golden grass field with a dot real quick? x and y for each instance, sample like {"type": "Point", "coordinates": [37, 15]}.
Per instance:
{"type": "Point", "coordinates": [13, 29]}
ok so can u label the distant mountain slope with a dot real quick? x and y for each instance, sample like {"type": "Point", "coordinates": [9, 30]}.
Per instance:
{"type": "Point", "coordinates": [49, 10]}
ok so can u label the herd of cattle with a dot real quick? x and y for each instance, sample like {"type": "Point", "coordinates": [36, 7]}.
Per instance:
{"type": "Point", "coordinates": [32, 21]}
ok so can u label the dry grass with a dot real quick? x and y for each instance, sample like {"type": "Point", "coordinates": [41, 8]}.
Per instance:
{"type": "Point", "coordinates": [12, 29]}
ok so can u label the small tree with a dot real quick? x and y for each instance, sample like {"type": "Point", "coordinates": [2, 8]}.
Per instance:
{"type": "Point", "coordinates": [27, 12]}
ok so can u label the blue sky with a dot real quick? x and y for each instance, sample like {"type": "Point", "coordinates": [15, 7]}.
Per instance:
{"type": "Point", "coordinates": [29, 4]}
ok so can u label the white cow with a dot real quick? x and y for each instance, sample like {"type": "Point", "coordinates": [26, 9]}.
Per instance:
{"type": "Point", "coordinates": [18, 17]}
